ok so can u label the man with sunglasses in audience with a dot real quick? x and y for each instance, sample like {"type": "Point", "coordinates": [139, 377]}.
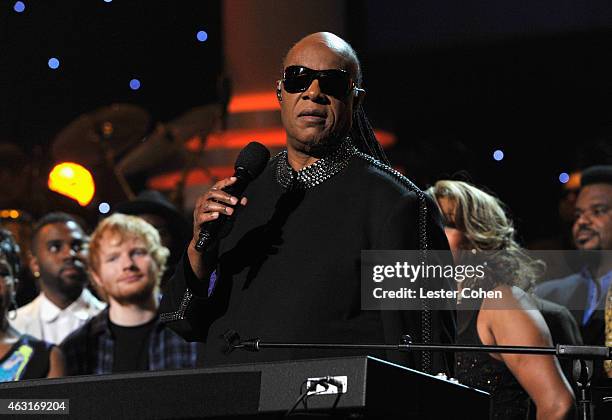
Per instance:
{"type": "Point", "coordinates": [289, 270]}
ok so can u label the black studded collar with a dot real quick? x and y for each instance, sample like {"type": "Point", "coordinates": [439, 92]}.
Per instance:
{"type": "Point", "coordinates": [316, 173]}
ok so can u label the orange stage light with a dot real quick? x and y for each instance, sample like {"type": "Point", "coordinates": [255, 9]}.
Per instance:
{"type": "Point", "coordinates": [233, 139]}
{"type": "Point", "coordinates": [574, 181]}
{"type": "Point", "coordinates": [270, 137]}
{"type": "Point", "coordinates": [72, 180]}
{"type": "Point", "coordinates": [10, 214]}
{"type": "Point", "coordinates": [198, 176]}
{"type": "Point", "coordinates": [252, 102]}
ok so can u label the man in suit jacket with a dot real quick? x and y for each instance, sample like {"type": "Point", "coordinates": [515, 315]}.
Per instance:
{"type": "Point", "coordinates": [584, 292]}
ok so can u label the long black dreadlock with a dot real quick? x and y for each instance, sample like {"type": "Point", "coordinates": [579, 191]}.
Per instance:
{"type": "Point", "coordinates": [363, 137]}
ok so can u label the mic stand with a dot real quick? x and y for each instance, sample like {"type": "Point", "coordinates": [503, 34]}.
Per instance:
{"type": "Point", "coordinates": [582, 355]}
{"type": "Point", "coordinates": [582, 373]}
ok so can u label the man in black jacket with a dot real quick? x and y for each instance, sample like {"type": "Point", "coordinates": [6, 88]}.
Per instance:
{"type": "Point", "coordinates": [290, 268]}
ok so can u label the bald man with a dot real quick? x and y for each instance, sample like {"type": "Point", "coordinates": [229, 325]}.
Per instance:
{"type": "Point", "coordinates": [290, 268]}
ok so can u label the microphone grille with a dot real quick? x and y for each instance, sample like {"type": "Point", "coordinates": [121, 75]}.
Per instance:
{"type": "Point", "coordinates": [253, 157]}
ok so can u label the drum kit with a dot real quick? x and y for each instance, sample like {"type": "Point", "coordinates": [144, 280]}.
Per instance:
{"type": "Point", "coordinates": [116, 141]}
{"type": "Point", "coordinates": [113, 142]}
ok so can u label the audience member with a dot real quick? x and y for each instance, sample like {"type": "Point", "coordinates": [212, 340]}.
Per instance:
{"type": "Point", "coordinates": [173, 227]}
{"type": "Point", "coordinates": [127, 261]}
{"type": "Point", "coordinates": [476, 222]}
{"type": "Point", "coordinates": [58, 260]}
{"type": "Point", "coordinates": [21, 356]}
{"type": "Point", "coordinates": [584, 292]}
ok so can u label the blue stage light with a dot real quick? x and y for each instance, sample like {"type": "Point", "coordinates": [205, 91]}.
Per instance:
{"type": "Point", "coordinates": [564, 177]}
{"type": "Point", "coordinates": [498, 155]}
{"type": "Point", "coordinates": [19, 6]}
{"type": "Point", "coordinates": [104, 208]}
{"type": "Point", "coordinates": [134, 84]}
{"type": "Point", "coordinates": [202, 36]}
{"type": "Point", "coordinates": [53, 63]}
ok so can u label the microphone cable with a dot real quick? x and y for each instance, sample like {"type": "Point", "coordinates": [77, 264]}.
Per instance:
{"type": "Point", "coordinates": [304, 395]}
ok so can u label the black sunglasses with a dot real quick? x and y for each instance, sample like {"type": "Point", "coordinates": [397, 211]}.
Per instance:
{"type": "Point", "coordinates": [334, 82]}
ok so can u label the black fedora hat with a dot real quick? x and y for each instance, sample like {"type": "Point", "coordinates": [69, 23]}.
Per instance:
{"type": "Point", "coordinates": [154, 202]}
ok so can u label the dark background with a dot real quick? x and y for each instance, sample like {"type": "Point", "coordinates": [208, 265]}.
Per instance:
{"type": "Point", "coordinates": [101, 47]}
{"type": "Point", "coordinates": [458, 80]}
{"type": "Point", "coordinates": [453, 80]}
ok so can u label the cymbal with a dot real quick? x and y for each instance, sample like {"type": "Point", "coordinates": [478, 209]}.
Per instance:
{"type": "Point", "coordinates": [200, 120]}
{"type": "Point", "coordinates": [167, 141]}
{"type": "Point", "coordinates": [114, 128]}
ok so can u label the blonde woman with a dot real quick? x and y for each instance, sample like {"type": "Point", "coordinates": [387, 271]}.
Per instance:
{"type": "Point", "coordinates": [477, 221]}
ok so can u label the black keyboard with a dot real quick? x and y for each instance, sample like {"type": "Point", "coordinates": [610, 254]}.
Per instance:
{"type": "Point", "coordinates": [364, 387]}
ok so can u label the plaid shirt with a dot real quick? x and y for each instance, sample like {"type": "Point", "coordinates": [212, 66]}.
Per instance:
{"type": "Point", "coordinates": [89, 350]}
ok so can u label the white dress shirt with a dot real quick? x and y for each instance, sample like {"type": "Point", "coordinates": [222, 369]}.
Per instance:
{"type": "Point", "coordinates": [42, 319]}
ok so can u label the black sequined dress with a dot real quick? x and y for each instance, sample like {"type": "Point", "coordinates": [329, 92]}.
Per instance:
{"type": "Point", "coordinates": [479, 370]}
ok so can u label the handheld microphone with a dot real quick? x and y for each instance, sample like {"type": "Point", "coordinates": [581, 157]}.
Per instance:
{"type": "Point", "coordinates": [249, 165]}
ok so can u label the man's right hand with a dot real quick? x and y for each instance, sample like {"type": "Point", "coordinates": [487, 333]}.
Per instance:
{"type": "Point", "coordinates": [207, 209]}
